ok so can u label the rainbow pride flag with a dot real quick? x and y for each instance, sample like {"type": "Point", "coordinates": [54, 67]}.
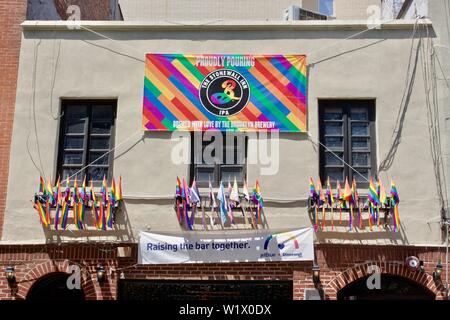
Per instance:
{"type": "Point", "coordinates": [119, 195]}
{"type": "Point", "coordinates": [64, 215]}
{"type": "Point", "coordinates": [41, 213]}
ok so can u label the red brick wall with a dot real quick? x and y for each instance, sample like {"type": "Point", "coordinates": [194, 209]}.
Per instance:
{"type": "Point", "coordinates": [340, 265]}
{"type": "Point", "coordinates": [12, 13]}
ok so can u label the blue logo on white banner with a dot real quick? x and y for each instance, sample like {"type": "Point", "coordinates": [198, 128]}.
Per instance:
{"type": "Point", "coordinates": [295, 245]}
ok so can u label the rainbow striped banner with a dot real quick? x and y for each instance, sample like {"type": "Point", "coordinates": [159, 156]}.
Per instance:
{"type": "Point", "coordinates": [225, 93]}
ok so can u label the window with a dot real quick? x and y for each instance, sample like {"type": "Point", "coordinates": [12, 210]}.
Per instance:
{"type": "Point", "coordinates": [347, 128]}
{"type": "Point", "coordinates": [228, 153]}
{"type": "Point", "coordinates": [86, 134]}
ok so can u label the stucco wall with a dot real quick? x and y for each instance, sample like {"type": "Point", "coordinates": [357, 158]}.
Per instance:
{"type": "Point", "coordinates": [373, 65]}
{"type": "Point", "coordinates": [356, 9]}
{"type": "Point", "coordinates": [440, 11]}
{"type": "Point", "coordinates": [168, 10]}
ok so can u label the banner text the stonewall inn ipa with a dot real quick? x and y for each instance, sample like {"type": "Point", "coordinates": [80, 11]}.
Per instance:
{"type": "Point", "coordinates": [225, 93]}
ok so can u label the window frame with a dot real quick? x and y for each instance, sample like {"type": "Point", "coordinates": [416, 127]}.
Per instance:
{"type": "Point", "coordinates": [217, 168]}
{"type": "Point", "coordinates": [347, 106]}
{"type": "Point", "coordinates": [89, 104]}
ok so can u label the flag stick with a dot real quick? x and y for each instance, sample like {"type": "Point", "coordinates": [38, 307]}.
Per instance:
{"type": "Point", "coordinates": [361, 223]}
{"type": "Point", "coordinates": [255, 224]}
{"type": "Point", "coordinates": [219, 217]}
{"type": "Point", "coordinates": [185, 216]}
{"type": "Point", "coordinates": [262, 213]}
{"type": "Point", "coordinates": [369, 211]}
{"type": "Point", "coordinates": [243, 213]}
{"type": "Point", "coordinates": [315, 218]}
{"type": "Point", "coordinates": [178, 210]}
{"type": "Point", "coordinates": [203, 218]}
{"type": "Point", "coordinates": [332, 218]}
{"type": "Point", "coordinates": [323, 217]}
{"type": "Point", "coordinates": [350, 220]}
{"type": "Point", "coordinates": [378, 218]}
{"type": "Point", "coordinates": [194, 211]}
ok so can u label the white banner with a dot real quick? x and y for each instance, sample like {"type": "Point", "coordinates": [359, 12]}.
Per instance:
{"type": "Point", "coordinates": [296, 245]}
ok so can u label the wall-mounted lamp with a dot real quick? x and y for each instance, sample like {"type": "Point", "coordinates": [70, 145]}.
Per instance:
{"type": "Point", "coordinates": [10, 274]}
{"type": "Point", "coordinates": [421, 266]}
{"type": "Point", "coordinates": [101, 274]}
{"type": "Point", "coordinates": [316, 273]}
{"type": "Point", "coordinates": [438, 271]}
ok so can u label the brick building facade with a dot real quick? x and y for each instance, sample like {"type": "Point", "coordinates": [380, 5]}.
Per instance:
{"type": "Point", "coordinates": [12, 14]}
{"type": "Point", "coordinates": [339, 267]}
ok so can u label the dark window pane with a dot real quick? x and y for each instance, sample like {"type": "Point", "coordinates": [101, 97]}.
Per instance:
{"type": "Point", "coordinates": [359, 114]}
{"type": "Point", "coordinates": [100, 112]}
{"type": "Point", "coordinates": [332, 160]}
{"type": "Point", "coordinates": [334, 174]}
{"type": "Point", "coordinates": [75, 126]}
{"type": "Point", "coordinates": [103, 127]}
{"type": "Point", "coordinates": [73, 158]}
{"type": "Point", "coordinates": [97, 173]}
{"type": "Point", "coordinates": [334, 142]}
{"type": "Point", "coordinates": [204, 174]}
{"type": "Point", "coordinates": [98, 155]}
{"type": "Point", "coordinates": [333, 114]}
{"type": "Point", "coordinates": [334, 129]}
{"type": "Point", "coordinates": [360, 129]}
{"type": "Point", "coordinates": [360, 143]}
{"type": "Point", "coordinates": [363, 172]}
{"type": "Point", "coordinates": [360, 159]}
{"type": "Point", "coordinates": [76, 112]}
{"type": "Point", "coordinates": [69, 173]}
{"type": "Point", "coordinates": [228, 174]}
{"type": "Point", "coordinates": [99, 142]}
{"type": "Point", "coordinates": [73, 142]}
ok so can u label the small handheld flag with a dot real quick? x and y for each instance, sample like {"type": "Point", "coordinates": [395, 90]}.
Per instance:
{"type": "Point", "coordinates": [245, 192]}
{"type": "Point", "coordinates": [41, 185]}
{"type": "Point", "coordinates": [312, 190]}
{"type": "Point", "coordinates": [194, 193]}
{"type": "Point", "coordinates": [234, 195]}
{"type": "Point", "coordinates": [223, 206]}
{"type": "Point", "coordinates": [119, 195]}
{"type": "Point", "coordinates": [395, 200]}
{"type": "Point", "coordinates": [178, 188]}
{"type": "Point", "coordinates": [104, 190]}
{"type": "Point", "coordinates": [212, 198]}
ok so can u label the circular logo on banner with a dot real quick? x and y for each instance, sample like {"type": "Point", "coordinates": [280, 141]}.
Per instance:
{"type": "Point", "coordinates": [224, 92]}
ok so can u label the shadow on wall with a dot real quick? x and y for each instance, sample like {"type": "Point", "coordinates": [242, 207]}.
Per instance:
{"type": "Point", "coordinates": [389, 158]}
{"type": "Point", "coordinates": [121, 231]}
{"type": "Point", "coordinates": [338, 228]}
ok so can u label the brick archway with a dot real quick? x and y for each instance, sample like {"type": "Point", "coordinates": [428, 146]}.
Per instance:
{"type": "Point", "coordinates": [48, 267]}
{"type": "Point", "coordinates": [389, 268]}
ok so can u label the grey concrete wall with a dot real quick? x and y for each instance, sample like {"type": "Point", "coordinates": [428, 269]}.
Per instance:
{"type": "Point", "coordinates": [373, 65]}
{"type": "Point", "coordinates": [440, 12]}
{"type": "Point", "coordinates": [355, 9]}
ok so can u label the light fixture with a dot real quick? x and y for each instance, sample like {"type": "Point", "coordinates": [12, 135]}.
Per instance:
{"type": "Point", "coordinates": [316, 273]}
{"type": "Point", "coordinates": [10, 274]}
{"type": "Point", "coordinates": [421, 266]}
{"type": "Point", "coordinates": [438, 271]}
{"type": "Point", "coordinates": [101, 274]}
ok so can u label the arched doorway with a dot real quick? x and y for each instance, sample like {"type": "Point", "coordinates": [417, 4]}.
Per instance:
{"type": "Point", "coordinates": [54, 287]}
{"type": "Point", "coordinates": [392, 288]}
